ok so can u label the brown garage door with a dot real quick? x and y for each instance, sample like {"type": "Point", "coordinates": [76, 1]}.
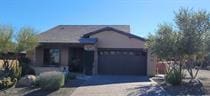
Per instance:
{"type": "Point", "coordinates": [122, 62]}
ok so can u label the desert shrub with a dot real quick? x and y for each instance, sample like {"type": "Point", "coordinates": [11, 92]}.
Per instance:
{"type": "Point", "coordinates": [174, 77]}
{"type": "Point", "coordinates": [9, 75]}
{"type": "Point", "coordinates": [7, 82]}
{"type": "Point", "coordinates": [13, 70]}
{"type": "Point", "coordinates": [50, 80]}
{"type": "Point", "coordinates": [70, 76]}
{"type": "Point", "coordinates": [26, 68]}
{"type": "Point", "coordinates": [16, 72]}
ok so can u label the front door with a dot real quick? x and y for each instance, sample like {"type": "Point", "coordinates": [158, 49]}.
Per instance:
{"type": "Point", "coordinates": [88, 62]}
{"type": "Point", "coordinates": [75, 60]}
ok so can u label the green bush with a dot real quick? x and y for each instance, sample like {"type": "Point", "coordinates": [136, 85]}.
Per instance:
{"type": "Point", "coordinates": [70, 76]}
{"type": "Point", "coordinates": [174, 77]}
{"type": "Point", "coordinates": [50, 80]}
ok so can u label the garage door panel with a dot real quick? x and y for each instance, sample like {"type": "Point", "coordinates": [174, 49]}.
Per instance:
{"type": "Point", "coordinates": [104, 67]}
{"type": "Point", "coordinates": [122, 62]}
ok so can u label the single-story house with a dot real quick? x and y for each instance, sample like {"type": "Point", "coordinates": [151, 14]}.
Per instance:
{"type": "Point", "coordinates": [94, 49]}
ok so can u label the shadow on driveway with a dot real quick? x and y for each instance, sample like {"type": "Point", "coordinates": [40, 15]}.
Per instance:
{"type": "Point", "coordinates": [92, 81]}
{"type": "Point", "coordinates": [107, 79]}
{"type": "Point", "coordinates": [39, 92]}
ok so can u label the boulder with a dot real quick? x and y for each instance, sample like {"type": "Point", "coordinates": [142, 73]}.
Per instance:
{"type": "Point", "coordinates": [26, 81]}
{"type": "Point", "coordinates": [208, 67]}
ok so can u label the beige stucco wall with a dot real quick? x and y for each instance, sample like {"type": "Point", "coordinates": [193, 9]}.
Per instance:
{"type": "Point", "coordinates": [151, 64]}
{"type": "Point", "coordinates": [110, 39]}
{"type": "Point", "coordinates": [64, 56]}
{"type": "Point", "coordinates": [39, 52]}
{"type": "Point", "coordinates": [107, 39]}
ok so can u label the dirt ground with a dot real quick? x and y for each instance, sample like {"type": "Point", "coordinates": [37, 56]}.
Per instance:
{"type": "Point", "coordinates": [67, 90]}
{"type": "Point", "coordinates": [204, 76]}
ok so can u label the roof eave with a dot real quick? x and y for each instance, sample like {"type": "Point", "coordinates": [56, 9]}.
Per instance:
{"type": "Point", "coordinates": [115, 30]}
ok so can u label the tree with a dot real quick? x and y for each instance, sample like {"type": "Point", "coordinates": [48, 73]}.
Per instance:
{"type": "Point", "coordinates": [187, 42]}
{"type": "Point", "coordinates": [25, 40]}
{"type": "Point", "coordinates": [164, 42]}
{"type": "Point", "coordinates": [6, 43]}
{"type": "Point", "coordinates": [194, 26]}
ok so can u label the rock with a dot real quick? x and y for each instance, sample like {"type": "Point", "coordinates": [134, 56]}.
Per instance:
{"type": "Point", "coordinates": [196, 82]}
{"type": "Point", "coordinates": [151, 91]}
{"type": "Point", "coordinates": [208, 67]}
{"type": "Point", "coordinates": [26, 81]}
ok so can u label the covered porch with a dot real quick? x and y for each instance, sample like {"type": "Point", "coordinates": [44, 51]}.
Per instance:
{"type": "Point", "coordinates": [76, 57]}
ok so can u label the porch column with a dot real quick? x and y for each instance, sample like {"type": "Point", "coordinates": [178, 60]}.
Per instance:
{"type": "Point", "coordinates": [34, 57]}
{"type": "Point", "coordinates": [151, 64]}
{"type": "Point", "coordinates": [95, 62]}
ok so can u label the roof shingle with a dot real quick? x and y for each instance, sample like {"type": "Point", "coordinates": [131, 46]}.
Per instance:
{"type": "Point", "coordinates": [72, 33]}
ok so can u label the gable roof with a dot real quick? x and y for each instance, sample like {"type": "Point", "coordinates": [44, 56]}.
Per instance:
{"type": "Point", "coordinates": [114, 30]}
{"type": "Point", "coordinates": [73, 33]}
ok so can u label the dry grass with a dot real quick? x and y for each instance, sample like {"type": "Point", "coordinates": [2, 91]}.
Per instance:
{"type": "Point", "coordinates": [13, 63]}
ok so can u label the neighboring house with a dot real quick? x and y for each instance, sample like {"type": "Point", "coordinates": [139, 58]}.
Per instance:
{"type": "Point", "coordinates": [94, 49]}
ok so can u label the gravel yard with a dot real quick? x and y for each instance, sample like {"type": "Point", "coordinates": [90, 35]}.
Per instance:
{"type": "Point", "coordinates": [112, 86]}
{"type": "Point", "coordinates": [204, 76]}
{"type": "Point", "coordinates": [67, 90]}
{"type": "Point", "coordinates": [186, 88]}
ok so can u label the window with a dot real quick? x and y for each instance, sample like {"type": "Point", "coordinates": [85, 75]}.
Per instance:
{"type": "Point", "coordinates": [51, 56]}
{"type": "Point", "coordinates": [131, 53]}
{"type": "Point", "coordinates": [112, 52]}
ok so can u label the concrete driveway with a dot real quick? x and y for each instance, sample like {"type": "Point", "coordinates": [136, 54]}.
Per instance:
{"type": "Point", "coordinates": [204, 76]}
{"type": "Point", "coordinates": [111, 85]}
